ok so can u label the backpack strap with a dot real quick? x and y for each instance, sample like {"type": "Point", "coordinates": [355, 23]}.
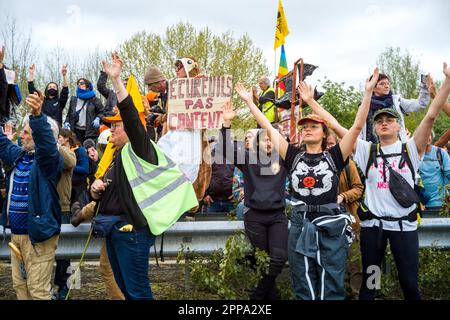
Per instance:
{"type": "Point", "coordinates": [373, 151]}
{"type": "Point", "coordinates": [325, 155]}
{"type": "Point", "coordinates": [297, 159]}
{"type": "Point", "coordinates": [407, 159]}
{"type": "Point", "coordinates": [330, 161]}
{"type": "Point", "coordinates": [347, 173]}
{"type": "Point", "coordinates": [439, 159]}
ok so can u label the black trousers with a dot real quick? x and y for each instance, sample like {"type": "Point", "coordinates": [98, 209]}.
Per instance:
{"type": "Point", "coordinates": [61, 274]}
{"type": "Point", "coordinates": [405, 249]}
{"type": "Point", "coordinates": [268, 231]}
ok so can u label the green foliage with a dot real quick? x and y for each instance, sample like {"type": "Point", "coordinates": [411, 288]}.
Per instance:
{"type": "Point", "coordinates": [434, 276]}
{"type": "Point", "coordinates": [341, 102]}
{"type": "Point", "coordinates": [216, 54]}
{"type": "Point", "coordinates": [402, 70]}
{"type": "Point", "coordinates": [227, 273]}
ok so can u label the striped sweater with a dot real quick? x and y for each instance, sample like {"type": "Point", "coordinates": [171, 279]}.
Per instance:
{"type": "Point", "coordinates": [18, 205]}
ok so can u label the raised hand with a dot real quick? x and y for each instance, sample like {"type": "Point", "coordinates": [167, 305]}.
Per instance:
{"type": "Point", "coordinates": [306, 91]}
{"type": "Point", "coordinates": [228, 112]}
{"type": "Point", "coordinates": [64, 70]}
{"type": "Point", "coordinates": [2, 55]}
{"type": "Point", "coordinates": [446, 70]}
{"type": "Point", "coordinates": [9, 131]}
{"type": "Point", "coordinates": [372, 81]}
{"type": "Point", "coordinates": [34, 101]}
{"type": "Point", "coordinates": [32, 69]}
{"type": "Point", "coordinates": [245, 95]}
{"type": "Point", "coordinates": [431, 87]}
{"type": "Point", "coordinates": [113, 71]}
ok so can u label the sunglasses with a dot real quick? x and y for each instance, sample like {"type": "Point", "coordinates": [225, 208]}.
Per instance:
{"type": "Point", "coordinates": [81, 83]}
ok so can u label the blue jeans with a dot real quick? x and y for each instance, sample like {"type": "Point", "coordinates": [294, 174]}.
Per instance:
{"type": "Point", "coordinates": [240, 211]}
{"type": "Point", "coordinates": [220, 206]}
{"type": "Point", "coordinates": [128, 253]}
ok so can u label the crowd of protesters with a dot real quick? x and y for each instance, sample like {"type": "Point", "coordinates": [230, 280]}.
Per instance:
{"type": "Point", "coordinates": [115, 165]}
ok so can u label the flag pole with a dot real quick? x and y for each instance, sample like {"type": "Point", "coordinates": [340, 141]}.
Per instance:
{"type": "Point", "coordinates": [275, 64]}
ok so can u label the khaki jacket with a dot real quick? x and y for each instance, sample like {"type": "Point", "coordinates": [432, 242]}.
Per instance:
{"type": "Point", "coordinates": [64, 186]}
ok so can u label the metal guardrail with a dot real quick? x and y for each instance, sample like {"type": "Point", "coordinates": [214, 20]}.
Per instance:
{"type": "Point", "coordinates": [203, 237]}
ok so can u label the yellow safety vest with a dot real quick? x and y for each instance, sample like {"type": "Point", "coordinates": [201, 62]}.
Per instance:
{"type": "Point", "coordinates": [162, 192]}
{"type": "Point", "coordinates": [268, 108]}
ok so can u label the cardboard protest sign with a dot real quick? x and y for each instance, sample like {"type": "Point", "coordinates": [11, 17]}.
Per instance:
{"type": "Point", "coordinates": [197, 103]}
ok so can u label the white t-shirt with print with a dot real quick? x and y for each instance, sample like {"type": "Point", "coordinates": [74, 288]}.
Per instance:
{"type": "Point", "coordinates": [378, 197]}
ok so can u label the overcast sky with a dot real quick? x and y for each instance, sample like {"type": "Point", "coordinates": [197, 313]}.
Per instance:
{"type": "Point", "coordinates": [342, 37]}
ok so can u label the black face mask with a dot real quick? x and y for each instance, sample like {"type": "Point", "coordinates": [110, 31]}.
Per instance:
{"type": "Point", "coordinates": [52, 92]}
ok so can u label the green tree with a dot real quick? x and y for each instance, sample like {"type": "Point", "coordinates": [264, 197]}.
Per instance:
{"type": "Point", "coordinates": [402, 70]}
{"type": "Point", "coordinates": [216, 54]}
{"type": "Point", "coordinates": [340, 101]}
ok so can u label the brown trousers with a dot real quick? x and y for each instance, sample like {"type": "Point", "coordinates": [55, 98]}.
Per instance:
{"type": "Point", "coordinates": [38, 261]}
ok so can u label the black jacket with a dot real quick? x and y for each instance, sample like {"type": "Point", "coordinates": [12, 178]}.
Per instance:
{"type": "Point", "coordinates": [109, 94]}
{"type": "Point", "coordinates": [221, 185]}
{"type": "Point", "coordinates": [119, 190]}
{"type": "Point", "coordinates": [94, 108]}
{"type": "Point", "coordinates": [4, 102]}
{"type": "Point", "coordinates": [53, 107]}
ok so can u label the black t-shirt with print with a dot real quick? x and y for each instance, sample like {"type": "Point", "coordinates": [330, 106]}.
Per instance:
{"type": "Point", "coordinates": [313, 181]}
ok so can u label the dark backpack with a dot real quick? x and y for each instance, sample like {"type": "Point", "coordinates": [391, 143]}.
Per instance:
{"type": "Point", "coordinates": [440, 160]}
{"type": "Point", "coordinates": [401, 190]}
{"type": "Point", "coordinates": [324, 156]}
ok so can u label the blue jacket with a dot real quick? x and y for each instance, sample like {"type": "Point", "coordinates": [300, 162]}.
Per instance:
{"type": "Point", "coordinates": [434, 179]}
{"type": "Point", "coordinates": [44, 211]}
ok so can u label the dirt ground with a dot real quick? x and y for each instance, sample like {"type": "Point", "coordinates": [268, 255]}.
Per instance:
{"type": "Point", "coordinates": [167, 281]}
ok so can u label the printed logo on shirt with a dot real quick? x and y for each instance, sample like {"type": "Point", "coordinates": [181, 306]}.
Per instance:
{"type": "Point", "coordinates": [314, 181]}
{"type": "Point", "coordinates": [385, 185]}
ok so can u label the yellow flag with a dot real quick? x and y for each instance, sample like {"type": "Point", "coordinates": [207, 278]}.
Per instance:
{"type": "Point", "coordinates": [282, 29]}
{"type": "Point", "coordinates": [133, 90]}
{"type": "Point", "coordinates": [106, 160]}
{"type": "Point", "coordinates": [108, 155]}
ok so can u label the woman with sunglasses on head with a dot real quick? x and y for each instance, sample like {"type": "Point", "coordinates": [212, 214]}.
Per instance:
{"type": "Point", "coordinates": [85, 112]}
{"type": "Point", "coordinates": [317, 245]}
{"type": "Point", "coordinates": [384, 214]}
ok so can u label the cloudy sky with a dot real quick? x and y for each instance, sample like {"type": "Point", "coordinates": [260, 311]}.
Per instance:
{"type": "Point", "coordinates": [342, 37]}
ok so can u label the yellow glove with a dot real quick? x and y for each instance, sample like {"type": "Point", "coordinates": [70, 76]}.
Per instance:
{"type": "Point", "coordinates": [127, 228]}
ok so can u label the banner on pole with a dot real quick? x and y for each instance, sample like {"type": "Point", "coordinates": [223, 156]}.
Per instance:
{"type": "Point", "coordinates": [197, 103]}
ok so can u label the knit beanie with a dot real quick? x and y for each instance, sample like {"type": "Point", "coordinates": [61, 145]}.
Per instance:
{"type": "Point", "coordinates": [153, 75]}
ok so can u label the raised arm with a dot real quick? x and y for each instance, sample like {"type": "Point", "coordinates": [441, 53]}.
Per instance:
{"type": "Point", "coordinates": [423, 131]}
{"type": "Point", "coordinates": [101, 84]}
{"type": "Point", "coordinates": [279, 143]}
{"type": "Point", "coordinates": [307, 94]}
{"type": "Point", "coordinates": [348, 142]}
{"type": "Point", "coordinates": [414, 105]}
{"type": "Point", "coordinates": [46, 151]}
{"type": "Point", "coordinates": [349, 137]}
{"type": "Point", "coordinates": [64, 96]}
{"type": "Point", "coordinates": [226, 149]}
{"type": "Point", "coordinates": [134, 128]}
{"type": "Point", "coordinates": [3, 82]}
{"type": "Point", "coordinates": [31, 71]}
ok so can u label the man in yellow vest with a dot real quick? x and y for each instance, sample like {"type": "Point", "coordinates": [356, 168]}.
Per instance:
{"type": "Point", "coordinates": [142, 193]}
{"type": "Point", "coordinates": [265, 101]}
